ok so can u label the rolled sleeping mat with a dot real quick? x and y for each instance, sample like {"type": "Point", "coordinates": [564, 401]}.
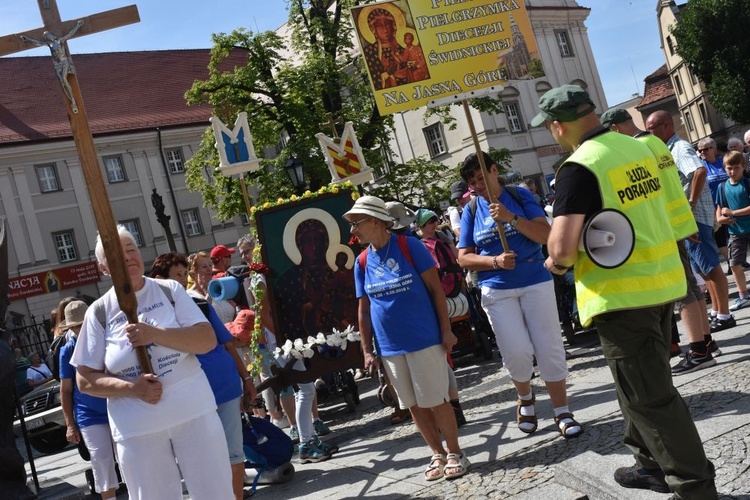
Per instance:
{"type": "Point", "coordinates": [223, 288]}
{"type": "Point", "coordinates": [458, 306]}
{"type": "Point", "coordinates": [271, 475]}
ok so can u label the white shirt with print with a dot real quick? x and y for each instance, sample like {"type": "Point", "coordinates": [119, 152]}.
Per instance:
{"type": "Point", "coordinates": [186, 393]}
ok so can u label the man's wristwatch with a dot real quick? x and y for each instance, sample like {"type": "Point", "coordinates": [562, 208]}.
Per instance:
{"type": "Point", "coordinates": [559, 267]}
{"type": "Point", "coordinates": [514, 221]}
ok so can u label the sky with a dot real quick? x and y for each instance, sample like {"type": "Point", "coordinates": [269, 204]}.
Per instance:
{"type": "Point", "coordinates": [623, 34]}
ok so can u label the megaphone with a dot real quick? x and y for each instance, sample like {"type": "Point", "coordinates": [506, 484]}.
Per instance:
{"type": "Point", "coordinates": [608, 238]}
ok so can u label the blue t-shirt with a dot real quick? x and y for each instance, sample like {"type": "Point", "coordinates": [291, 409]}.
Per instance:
{"type": "Point", "coordinates": [735, 197]}
{"type": "Point", "coordinates": [401, 310]}
{"type": "Point", "coordinates": [480, 232]}
{"type": "Point", "coordinates": [218, 364]}
{"type": "Point", "coordinates": [715, 175]}
{"type": "Point", "coordinates": [87, 410]}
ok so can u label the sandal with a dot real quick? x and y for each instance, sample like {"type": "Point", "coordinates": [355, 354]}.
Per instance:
{"type": "Point", "coordinates": [400, 416]}
{"type": "Point", "coordinates": [437, 462]}
{"type": "Point", "coordinates": [527, 419]}
{"type": "Point", "coordinates": [460, 468]}
{"type": "Point", "coordinates": [566, 425]}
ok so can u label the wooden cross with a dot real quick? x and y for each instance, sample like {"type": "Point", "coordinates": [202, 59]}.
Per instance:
{"type": "Point", "coordinates": [55, 34]}
{"type": "Point", "coordinates": [331, 123]}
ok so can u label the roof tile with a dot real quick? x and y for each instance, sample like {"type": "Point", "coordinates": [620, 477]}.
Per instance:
{"type": "Point", "coordinates": [122, 91]}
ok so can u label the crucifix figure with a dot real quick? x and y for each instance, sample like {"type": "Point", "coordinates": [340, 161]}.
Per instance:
{"type": "Point", "coordinates": [79, 126]}
{"type": "Point", "coordinates": [331, 123]}
{"type": "Point", "coordinates": [61, 57]}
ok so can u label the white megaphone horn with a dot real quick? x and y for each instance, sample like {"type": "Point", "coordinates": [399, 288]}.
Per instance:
{"type": "Point", "coordinates": [608, 238]}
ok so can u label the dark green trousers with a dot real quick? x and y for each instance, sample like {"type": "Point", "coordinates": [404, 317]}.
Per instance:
{"type": "Point", "coordinates": [658, 427]}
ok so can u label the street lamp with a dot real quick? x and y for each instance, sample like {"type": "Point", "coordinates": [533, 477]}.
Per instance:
{"type": "Point", "coordinates": [294, 170]}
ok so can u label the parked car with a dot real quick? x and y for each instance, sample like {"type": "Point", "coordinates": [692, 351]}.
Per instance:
{"type": "Point", "coordinates": [44, 418]}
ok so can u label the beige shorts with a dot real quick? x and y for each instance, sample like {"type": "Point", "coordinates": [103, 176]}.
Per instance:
{"type": "Point", "coordinates": [420, 378]}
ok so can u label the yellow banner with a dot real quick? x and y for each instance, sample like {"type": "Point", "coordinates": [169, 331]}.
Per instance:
{"type": "Point", "coordinates": [419, 50]}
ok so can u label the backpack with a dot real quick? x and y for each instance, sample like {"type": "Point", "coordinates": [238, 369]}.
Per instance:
{"type": "Point", "coordinates": [451, 274]}
{"type": "Point", "coordinates": [403, 244]}
{"type": "Point", "coordinates": [53, 356]}
{"type": "Point", "coordinates": [101, 314]}
{"type": "Point", "coordinates": [265, 445]}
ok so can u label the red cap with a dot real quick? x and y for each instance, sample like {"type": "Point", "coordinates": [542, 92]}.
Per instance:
{"type": "Point", "coordinates": [242, 326]}
{"type": "Point", "coordinates": [221, 251]}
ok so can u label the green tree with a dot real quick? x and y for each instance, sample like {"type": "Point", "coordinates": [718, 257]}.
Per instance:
{"type": "Point", "coordinates": [710, 40]}
{"type": "Point", "coordinates": [285, 98]}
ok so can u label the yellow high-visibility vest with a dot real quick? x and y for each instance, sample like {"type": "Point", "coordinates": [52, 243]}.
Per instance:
{"type": "Point", "coordinates": [629, 181]}
{"type": "Point", "coordinates": [678, 207]}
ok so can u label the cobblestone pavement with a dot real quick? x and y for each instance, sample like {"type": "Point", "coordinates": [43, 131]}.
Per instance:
{"type": "Point", "coordinates": [381, 461]}
{"type": "Point", "coordinates": [488, 398]}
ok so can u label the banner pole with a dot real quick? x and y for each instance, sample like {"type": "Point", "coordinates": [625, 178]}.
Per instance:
{"type": "Point", "coordinates": [492, 195]}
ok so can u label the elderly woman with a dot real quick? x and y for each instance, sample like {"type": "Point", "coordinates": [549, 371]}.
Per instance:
{"type": "Point", "coordinates": [161, 418]}
{"type": "Point", "coordinates": [517, 291]}
{"type": "Point", "coordinates": [200, 270]}
{"type": "Point", "coordinates": [85, 416]}
{"type": "Point", "coordinates": [226, 372]}
{"type": "Point", "coordinates": [38, 373]}
{"type": "Point", "coordinates": [402, 306]}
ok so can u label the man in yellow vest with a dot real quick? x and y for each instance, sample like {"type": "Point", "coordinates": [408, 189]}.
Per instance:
{"type": "Point", "coordinates": [693, 305]}
{"type": "Point", "coordinates": [630, 304]}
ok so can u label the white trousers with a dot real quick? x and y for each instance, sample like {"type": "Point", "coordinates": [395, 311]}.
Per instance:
{"type": "Point", "coordinates": [98, 440]}
{"type": "Point", "coordinates": [525, 323]}
{"type": "Point", "coordinates": [148, 462]}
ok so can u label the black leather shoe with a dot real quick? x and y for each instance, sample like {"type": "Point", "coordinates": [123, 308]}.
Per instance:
{"type": "Point", "coordinates": [645, 479]}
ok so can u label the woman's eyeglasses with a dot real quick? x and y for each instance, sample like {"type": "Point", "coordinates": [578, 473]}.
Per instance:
{"type": "Point", "coordinates": [703, 150]}
{"type": "Point", "coordinates": [356, 223]}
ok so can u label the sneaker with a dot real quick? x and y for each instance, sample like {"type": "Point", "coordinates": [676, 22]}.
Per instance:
{"type": "Point", "coordinates": [294, 434]}
{"type": "Point", "coordinates": [693, 361]}
{"type": "Point", "coordinates": [713, 348]}
{"type": "Point", "coordinates": [312, 452]}
{"type": "Point", "coordinates": [282, 423]}
{"type": "Point", "coordinates": [321, 429]}
{"type": "Point", "coordinates": [723, 324]}
{"type": "Point", "coordinates": [645, 479]}
{"type": "Point", "coordinates": [739, 303]}
{"type": "Point", "coordinates": [328, 447]}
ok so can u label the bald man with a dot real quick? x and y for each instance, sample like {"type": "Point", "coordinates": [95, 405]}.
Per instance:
{"type": "Point", "coordinates": [630, 304]}
{"type": "Point", "coordinates": [704, 254]}
{"type": "Point", "coordinates": [693, 305]}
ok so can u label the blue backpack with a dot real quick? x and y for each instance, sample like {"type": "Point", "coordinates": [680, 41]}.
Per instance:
{"type": "Point", "coordinates": [265, 445]}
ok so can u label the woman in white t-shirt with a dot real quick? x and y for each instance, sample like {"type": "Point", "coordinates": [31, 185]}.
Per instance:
{"type": "Point", "coordinates": [199, 269]}
{"type": "Point", "coordinates": [170, 414]}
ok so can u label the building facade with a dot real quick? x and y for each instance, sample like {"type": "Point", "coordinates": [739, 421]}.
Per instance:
{"type": "Point", "coordinates": [696, 113]}
{"type": "Point", "coordinates": [144, 132]}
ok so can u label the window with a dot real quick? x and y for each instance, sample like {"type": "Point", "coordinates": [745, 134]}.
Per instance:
{"type": "Point", "coordinates": [564, 43]}
{"type": "Point", "coordinates": [670, 44]}
{"type": "Point", "coordinates": [678, 84]}
{"type": "Point", "coordinates": [435, 140]}
{"type": "Point", "coordinates": [47, 177]}
{"type": "Point", "coordinates": [65, 245]}
{"type": "Point", "coordinates": [192, 222]}
{"type": "Point", "coordinates": [134, 226]}
{"type": "Point", "coordinates": [689, 121]}
{"type": "Point", "coordinates": [245, 219]}
{"type": "Point", "coordinates": [692, 77]}
{"type": "Point", "coordinates": [514, 117]}
{"type": "Point", "coordinates": [702, 109]}
{"type": "Point", "coordinates": [115, 169]}
{"type": "Point", "coordinates": [174, 160]}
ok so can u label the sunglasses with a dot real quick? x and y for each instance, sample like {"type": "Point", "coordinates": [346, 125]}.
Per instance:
{"type": "Point", "coordinates": [358, 222]}
{"type": "Point", "coordinates": [703, 150]}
